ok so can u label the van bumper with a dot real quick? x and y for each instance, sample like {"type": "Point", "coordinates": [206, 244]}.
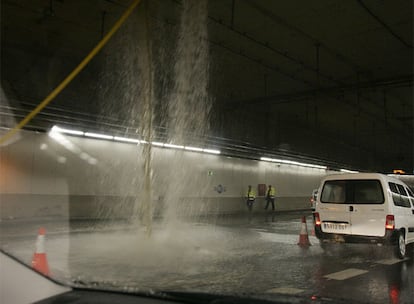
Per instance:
{"type": "Point", "coordinates": [390, 237]}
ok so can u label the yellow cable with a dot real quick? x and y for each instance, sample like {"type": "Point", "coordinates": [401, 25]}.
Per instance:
{"type": "Point", "coordinates": [72, 75]}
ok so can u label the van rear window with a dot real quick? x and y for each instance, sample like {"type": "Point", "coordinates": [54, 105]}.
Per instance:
{"type": "Point", "coordinates": [352, 192]}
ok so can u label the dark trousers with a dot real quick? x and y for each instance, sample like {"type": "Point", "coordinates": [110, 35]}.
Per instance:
{"type": "Point", "coordinates": [250, 204]}
{"type": "Point", "coordinates": [270, 200]}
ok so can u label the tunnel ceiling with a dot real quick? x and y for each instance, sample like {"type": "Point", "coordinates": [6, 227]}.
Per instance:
{"type": "Point", "coordinates": [328, 79]}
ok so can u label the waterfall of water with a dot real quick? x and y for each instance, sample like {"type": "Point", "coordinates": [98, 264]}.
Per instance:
{"type": "Point", "coordinates": [189, 103]}
{"type": "Point", "coordinates": [160, 72]}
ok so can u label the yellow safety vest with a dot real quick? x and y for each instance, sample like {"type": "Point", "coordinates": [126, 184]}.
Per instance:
{"type": "Point", "coordinates": [250, 195]}
{"type": "Point", "coordinates": [271, 192]}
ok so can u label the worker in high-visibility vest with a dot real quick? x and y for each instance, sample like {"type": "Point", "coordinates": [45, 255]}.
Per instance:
{"type": "Point", "coordinates": [270, 197]}
{"type": "Point", "coordinates": [250, 198]}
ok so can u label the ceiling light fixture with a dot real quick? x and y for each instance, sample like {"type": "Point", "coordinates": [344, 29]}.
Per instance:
{"type": "Point", "coordinates": [173, 146]}
{"type": "Point", "coordinates": [66, 131]}
{"type": "Point", "coordinates": [126, 139]}
{"type": "Point", "coordinates": [97, 135]}
{"type": "Point", "coordinates": [158, 144]}
{"type": "Point", "coordinates": [211, 151]}
{"type": "Point", "coordinates": [195, 149]}
{"type": "Point", "coordinates": [348, 171]}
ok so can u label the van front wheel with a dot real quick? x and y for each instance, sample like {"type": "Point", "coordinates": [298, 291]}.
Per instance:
{"type": "Point", "coordinates": [400, 247]}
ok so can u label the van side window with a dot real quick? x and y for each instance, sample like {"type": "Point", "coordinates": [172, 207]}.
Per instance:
{"type": "Point", "coordinates": [402, 190]}
{"type": "Point", "coordinates": [393, 188]}
{"type": "Point", "coordinates": [399, 195]}
{"type": "Point", "coordinates": [404, 196]}
{"type": "Point", "coordinates": [395, 194]}
{"type": "Point", "coordinates": [411, 195]}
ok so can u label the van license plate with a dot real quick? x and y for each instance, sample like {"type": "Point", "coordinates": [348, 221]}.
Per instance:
{"type": "Point", "coordinates": [335, 226]}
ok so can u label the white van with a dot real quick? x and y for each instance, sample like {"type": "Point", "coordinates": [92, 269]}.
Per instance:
{"type": "Point", "coordinates": [365, 208]}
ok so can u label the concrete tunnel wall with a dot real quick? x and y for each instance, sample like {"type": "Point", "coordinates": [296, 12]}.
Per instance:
{"type": "Point", "coordinates": [80, 177]}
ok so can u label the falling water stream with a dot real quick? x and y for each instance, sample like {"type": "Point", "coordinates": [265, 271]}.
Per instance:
{"type": "Point", "coordinates": [187, 110]}
{"type": "Point", "coordinates": [148, 118]}
{"type": "Point", "coordinates": [189, 106]}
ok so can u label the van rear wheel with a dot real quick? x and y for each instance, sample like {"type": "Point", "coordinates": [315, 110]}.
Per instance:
{"type": "Point", "coordinates": [400, 247]}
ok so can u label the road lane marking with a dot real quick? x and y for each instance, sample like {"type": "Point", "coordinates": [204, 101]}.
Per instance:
{"type": "Point", "coordinates": [345, 274]}
{"type": "Point", "coordinates": [286, 290]}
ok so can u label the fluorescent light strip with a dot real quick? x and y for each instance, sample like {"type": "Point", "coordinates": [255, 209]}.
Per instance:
{"type": "Point", "coordinates": [290, 162]}
{"type": "Point", "coordinates": [56, 129]}
{"type": "Point", "coordinates": [347, 171]}
{"type": "Point", "coordinates": [126, 139]}
{"type": "Point", "coordinates": [188, 148]}
{"type": "Point", "coordinates": [195, 149]}
{"type": "Point", "coordinates": [211, 151]}
{"type": "Point", "coordinates": [173, 146]}
{"type": "Point", "coordinates": [96, 135]}
{"type": "Point", "coordinates": [158, 144]}
{"type": "Point", "coordinates": [67, 131]}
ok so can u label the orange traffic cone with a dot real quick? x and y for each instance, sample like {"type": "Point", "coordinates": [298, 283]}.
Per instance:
{"type": "Point", "coordinates": [304, 237]}
{"type": "Point", "coordinates": [39, 261]}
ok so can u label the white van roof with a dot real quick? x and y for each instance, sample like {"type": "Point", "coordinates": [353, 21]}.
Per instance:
{"type": "Point", "coordinates": [379, 176]}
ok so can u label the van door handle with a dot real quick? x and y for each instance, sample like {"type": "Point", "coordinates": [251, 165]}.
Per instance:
{"type": "Point", "coordinates": [351, 208]}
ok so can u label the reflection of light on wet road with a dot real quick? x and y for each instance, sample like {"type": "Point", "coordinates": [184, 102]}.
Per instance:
{"type": "Point", "coordinates": [391, 261]}
{"type": "Point", "coordinates": [283, 238]}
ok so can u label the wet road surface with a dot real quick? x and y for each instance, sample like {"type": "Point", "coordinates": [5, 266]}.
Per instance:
{"type": "Point", "coordinates": [242, 255]}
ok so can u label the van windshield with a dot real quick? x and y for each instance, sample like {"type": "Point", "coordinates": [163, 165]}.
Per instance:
{"type": "Point", "coordinates": [352, 192]}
